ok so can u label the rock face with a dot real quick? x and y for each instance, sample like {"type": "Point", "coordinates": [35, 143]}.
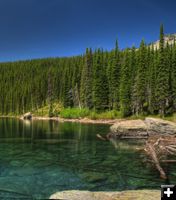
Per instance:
{"type": "Point", "coordinates": [125, 195]}
{"type": "Point", "coordinates": [168, 39]}
{"type": "Point", "coordinates": [142, 128]}
{"type": "Point", "coordinates": [27, 116]}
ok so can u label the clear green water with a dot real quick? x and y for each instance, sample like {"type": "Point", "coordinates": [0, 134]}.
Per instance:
{"type": "Point", "coordinates": [40, 158]}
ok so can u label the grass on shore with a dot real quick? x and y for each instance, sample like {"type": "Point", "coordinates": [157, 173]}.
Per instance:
{"type": "Point", "coordinates": [76, 113]}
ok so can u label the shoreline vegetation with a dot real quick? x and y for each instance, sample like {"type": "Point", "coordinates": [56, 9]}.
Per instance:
{"type": "Point", "coordinates": [85, 116]}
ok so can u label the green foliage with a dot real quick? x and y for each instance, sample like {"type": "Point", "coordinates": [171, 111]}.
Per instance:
{"type": "Point", "coordinates": [100, 85]}
{"type": "Point", "coordinates": [162, 84]}
{"type": "Point", "coordinates": [74, 113]}
{"type": "Point", "coordinates": [45, 110]}
{"type": "Point", "coordinates": [113, 77]}
{"type": "Point", "coordinates": [173, 77]}
{"type": "Point", "coordinates": [125, 86]}
{"type": "Point", "coordinates": [86, 81]}
{"type": "Point", "coordinates": [113, 114]}
{"type": "Point", "coordinates": [141, 80]}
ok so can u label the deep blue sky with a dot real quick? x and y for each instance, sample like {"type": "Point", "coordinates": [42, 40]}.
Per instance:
{"type": "Point", "coordinates": [50, 28]}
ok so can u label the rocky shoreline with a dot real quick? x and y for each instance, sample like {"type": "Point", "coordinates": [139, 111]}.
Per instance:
{"type": "Point", "coordinates": [81, 120]}
{"type": "Point", "coordinates": [124, 195]}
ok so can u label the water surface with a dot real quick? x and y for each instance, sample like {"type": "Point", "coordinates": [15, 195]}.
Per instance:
{"type": "Point", "coordinates": [40, 158]}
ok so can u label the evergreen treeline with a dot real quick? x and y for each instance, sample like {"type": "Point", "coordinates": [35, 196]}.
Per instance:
{"type": "Point", "coordinates": [132, 81]}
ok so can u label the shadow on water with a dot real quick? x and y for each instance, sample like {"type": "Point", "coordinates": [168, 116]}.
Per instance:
{"type": "Point", "coordinates": [40, 158]}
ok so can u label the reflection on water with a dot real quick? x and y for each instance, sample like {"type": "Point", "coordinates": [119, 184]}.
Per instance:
{"type": "Point", "coordinates": [40, 158]}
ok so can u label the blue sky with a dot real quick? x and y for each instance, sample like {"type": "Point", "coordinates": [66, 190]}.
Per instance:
{"type": "Point", "coordinates": [55, 28]}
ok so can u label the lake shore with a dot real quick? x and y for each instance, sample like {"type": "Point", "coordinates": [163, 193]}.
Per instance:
{"type": "Point", "coordinates": [86, 120]}
{"type": "Point", "coordinates": [80, 120]}
{"type": "Point", "coordinates": [123, 195]}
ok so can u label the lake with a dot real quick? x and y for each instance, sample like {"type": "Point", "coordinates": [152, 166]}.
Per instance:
{"type": "Point", "coordinates": [40, 158]}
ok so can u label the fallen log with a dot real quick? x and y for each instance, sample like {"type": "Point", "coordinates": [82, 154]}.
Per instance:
{"type": "Point", "coordinates": [171, 149]}
{"type": "Point", "coordinates": [168, 161]}
{"type": "Point", "coordinates": [151, 152]}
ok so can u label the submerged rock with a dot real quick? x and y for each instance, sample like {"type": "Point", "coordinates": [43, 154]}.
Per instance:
{"type": "Point", "coordinates": [93, 177]}
{"type": "Point", "coordinates": [141, 128]}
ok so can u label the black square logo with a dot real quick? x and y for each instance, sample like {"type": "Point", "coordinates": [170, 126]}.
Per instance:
{"type": "Point", "coordinates": [168, 192]}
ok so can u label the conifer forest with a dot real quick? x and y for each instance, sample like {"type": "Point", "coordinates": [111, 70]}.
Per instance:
{"type": "Point", "coordinates": [133, 81]}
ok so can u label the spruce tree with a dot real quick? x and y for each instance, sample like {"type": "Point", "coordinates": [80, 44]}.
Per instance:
{"type": "Point", "coordinates": [86, 80]}
{"type": "Point", "coordinates": [152, 81]}
{"type": "Point", "coordinates": [162, 83]}
{"type": "Point", "coordinates": [125, 86]}
{"type": "Point", "coordinates": [50, 93]}
{"type": "Point", "coordinates": [140, 83]}
{"type": "Point", "coordinates": [173, 77]}
{"type": "Point", "coordinates": [100, 86]}
{"type": "Point", "coordinates": [113, 75]}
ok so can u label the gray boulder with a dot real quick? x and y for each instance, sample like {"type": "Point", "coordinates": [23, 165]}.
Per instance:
{"type": "Point", "coordinates": [128, 129]}
{"type": "Point", "coordinates": [141, 128]}
{"type": "Point", "coordinates": [160, 126]}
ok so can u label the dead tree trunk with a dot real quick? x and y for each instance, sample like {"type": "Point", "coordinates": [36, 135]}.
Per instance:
{"type": "Point", "coordinates": [150, 149]}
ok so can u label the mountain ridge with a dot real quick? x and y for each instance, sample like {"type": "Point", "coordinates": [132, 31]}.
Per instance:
{"type": "Point", "coordinates": [168, 39]}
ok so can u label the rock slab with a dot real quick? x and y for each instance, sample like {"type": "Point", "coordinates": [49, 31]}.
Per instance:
{"type": "Point", "coordinates": [129, 129]}
{"type": "Point", "coordinates": [160, 126]}
{"type": "Point", "coordinates": [125, 195]}
{"type": "Point", "coordinates": [142, 128]}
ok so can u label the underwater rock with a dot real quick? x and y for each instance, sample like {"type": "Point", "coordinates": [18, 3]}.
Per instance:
{"type": "Point", "coordinates": [93, 177]}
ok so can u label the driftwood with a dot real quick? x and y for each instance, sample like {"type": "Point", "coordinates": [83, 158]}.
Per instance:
{"type": "Point", "coordinates": [159, 150]}
{"type": "Point", "coordinates": [168, 161]}
{"type": "Point", "coordinates": [101, 137]}
{"type": "Point", "coordinates": [154, 157]}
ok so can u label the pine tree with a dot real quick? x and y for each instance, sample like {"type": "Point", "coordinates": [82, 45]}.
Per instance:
{"type": "Point", "coordinates": [162, 77]}
{"type": "Point", "coordinates": [152, 81]}
{"type": "Point", "coordinates": [100, 86]}
{"type": "Point", "coordinates": [86, 80]}
{"type": "Point", "coordinates": [113, 74]}
{"type": "Point", "coordinates": [125, 86]}
{"type": "Point", "coordinates": [173, 77]}
{"type": "Point", "coordinates": [50, 93]}
{"type": "Point", "coordinates": [140, 83]}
